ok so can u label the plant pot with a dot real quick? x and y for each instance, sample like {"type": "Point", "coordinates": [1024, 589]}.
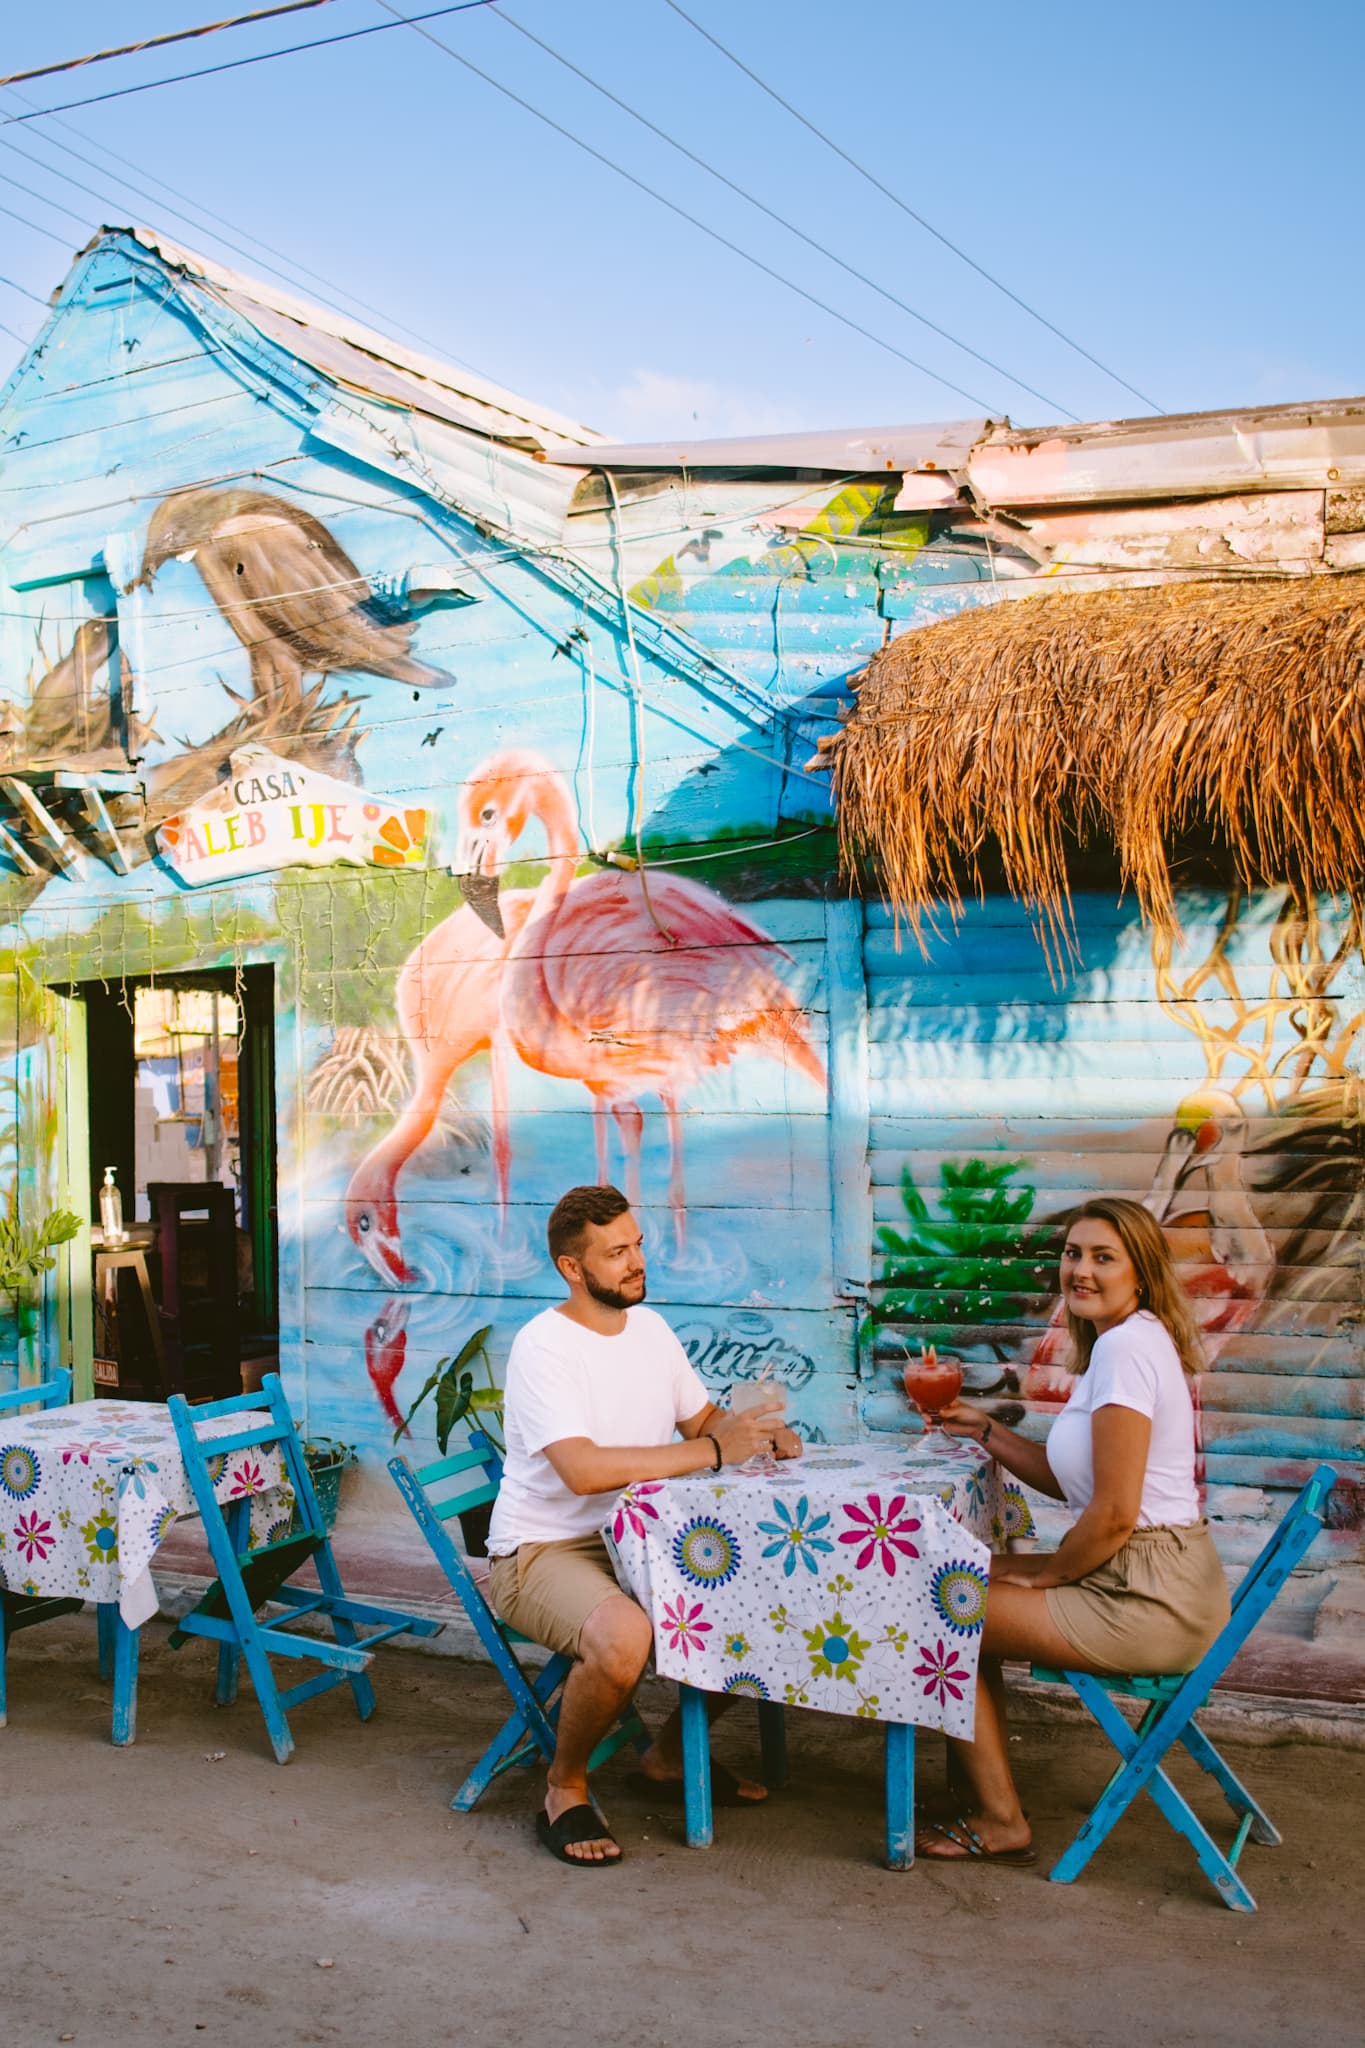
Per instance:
{"type": "Point", "coordinates": [474, 1528]}
{"type": "Point", "coordinates": [326, 1461]}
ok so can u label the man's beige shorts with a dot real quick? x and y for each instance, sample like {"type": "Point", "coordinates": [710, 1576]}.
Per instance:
{"type": "Point", "coordinates": [547, 1591]}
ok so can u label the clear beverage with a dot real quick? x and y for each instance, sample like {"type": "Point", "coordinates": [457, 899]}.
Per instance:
{"type": "Point", "coordinates": [933, 1384]}
{"type": "Point", "coordinates": [759, 1394]}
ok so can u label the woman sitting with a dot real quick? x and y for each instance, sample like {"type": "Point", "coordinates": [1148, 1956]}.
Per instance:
{"type": "Point", "coordinates": [1136, 1585]}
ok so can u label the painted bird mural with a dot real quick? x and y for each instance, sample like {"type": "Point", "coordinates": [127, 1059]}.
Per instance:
{"type": "Point", "coordinates": [286, 587]}
{"type": "Point", "coordinates": [448, 1010]}
{"type": "Point", "coordinates": [633, 985]}
{"type": "Point", "coordinates": [642, 1014]}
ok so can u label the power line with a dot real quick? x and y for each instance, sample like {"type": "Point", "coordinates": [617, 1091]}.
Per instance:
{"type": "Point", "coordinates": [12, 215]}
{"type": "Point", "coordinates": [896, 200]}
{"type": "Point", "coordinates": [43, 200]}
{"type": "Point", "coordinates": [239, 63]}
{"type": "Point", "coordinates": [36, 297]}
{"type": "Point", "coordinates": [781, 219]}
{"type": "Point", "coordinates": [855, 326]}
{"type": "Point", "coordinates": [14, 333]}
{"type": "Point", "coordinates": [179, 35]}
{"type": "Point", "coordinates": [287, 276]}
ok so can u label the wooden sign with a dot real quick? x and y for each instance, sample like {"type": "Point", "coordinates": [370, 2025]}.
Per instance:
{"type": "Point", "coordinates": [272, 813]}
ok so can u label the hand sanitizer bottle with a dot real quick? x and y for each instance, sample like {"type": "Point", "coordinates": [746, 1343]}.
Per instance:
{"type": "Point", "coordinates": [111, 1209]}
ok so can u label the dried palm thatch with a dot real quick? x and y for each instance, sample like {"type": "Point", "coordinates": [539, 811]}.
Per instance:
{"type": "Point", "coordinates": [1135, 716]}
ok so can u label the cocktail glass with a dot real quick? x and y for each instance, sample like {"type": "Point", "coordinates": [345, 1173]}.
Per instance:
{"type": "Point", "coordinates": [933, 1383]}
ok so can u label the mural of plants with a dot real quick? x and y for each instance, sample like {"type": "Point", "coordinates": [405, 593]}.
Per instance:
{"type": "Point", "coordinates": [979, 1261]}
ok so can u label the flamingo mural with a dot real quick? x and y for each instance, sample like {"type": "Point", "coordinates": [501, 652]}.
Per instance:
{"type": "Point", "coordinates": [632, 986]}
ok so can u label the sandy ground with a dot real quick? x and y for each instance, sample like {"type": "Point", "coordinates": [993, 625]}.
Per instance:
{"type": "Point", "coordinates": [164, 1894]}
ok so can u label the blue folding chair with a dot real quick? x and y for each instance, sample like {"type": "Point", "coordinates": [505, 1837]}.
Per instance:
{"type": "Point", "coordinates": [529, 1731]}
{"type": "Point", "coordinates": [251, 1575]}
{"type": "Point", "coordinates": [25, 1610]}
{"type": "Point", "coordinates": [1169, 1717]}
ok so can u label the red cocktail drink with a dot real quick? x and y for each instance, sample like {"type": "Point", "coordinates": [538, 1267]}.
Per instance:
{"type": "Point", "coordinates": [933, 1384]}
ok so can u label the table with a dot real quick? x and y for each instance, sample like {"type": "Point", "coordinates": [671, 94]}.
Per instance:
{"type": "Point", "coordinates": [852, 1580]}
{"type": "Point", "coordinates": [87, 1496]}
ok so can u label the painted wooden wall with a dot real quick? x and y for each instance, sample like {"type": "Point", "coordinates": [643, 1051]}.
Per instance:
{"type": "Point", "coordinates": [814, 1066]}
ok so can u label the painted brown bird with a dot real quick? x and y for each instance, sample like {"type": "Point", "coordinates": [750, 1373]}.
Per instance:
{"type": "Point", "coordinates": [286, 587]}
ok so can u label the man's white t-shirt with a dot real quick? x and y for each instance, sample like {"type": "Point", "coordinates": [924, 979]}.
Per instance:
{"type": "Point", "coordinates": [565, 1381]}
{"type": "Point", "coordinates": [1134, 1365]}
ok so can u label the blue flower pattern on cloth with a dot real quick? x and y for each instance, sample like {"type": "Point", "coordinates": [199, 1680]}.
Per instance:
{"type": "Point", "coordinates": [853, 1579]}
{"type": "Point", "coordinates": [796, 1535]}
{"type": "Point", "coordinates": [706, 1553]}
{"type": "Point", "coordinates": [20, 1471]}
{"type": "Point", "coordinates": [959, 1593]}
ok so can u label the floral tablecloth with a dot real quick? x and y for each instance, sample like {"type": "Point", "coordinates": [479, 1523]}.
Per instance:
{"type": "Point", "coordinates": [853, 1579]}
{"type": "Point", "coordinates": [87, 1494]}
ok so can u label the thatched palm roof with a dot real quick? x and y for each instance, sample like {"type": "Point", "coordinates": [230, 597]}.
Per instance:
{"type": "Point", "coordinates": [1135, 716]}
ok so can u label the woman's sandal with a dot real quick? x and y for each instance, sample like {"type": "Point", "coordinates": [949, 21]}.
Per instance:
{"type": "Point", "coordinates": [968, 1846]}
{"type": "Point", "coordinates": [576, 1824]}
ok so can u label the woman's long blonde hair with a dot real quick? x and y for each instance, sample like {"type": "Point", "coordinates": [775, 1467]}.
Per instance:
{"type": "Point", "coordinates": [1158, 1288]}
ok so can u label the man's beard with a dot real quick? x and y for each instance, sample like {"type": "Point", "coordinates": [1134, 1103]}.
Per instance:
{"type": "Point", "coordinates": [612, 1297]}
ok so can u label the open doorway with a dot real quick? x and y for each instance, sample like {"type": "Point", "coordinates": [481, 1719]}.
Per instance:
{"type": "Point", "coordinates": [182, 1108]}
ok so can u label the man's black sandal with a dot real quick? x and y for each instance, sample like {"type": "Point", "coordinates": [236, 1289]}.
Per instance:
{"type": "Point", "coordinates": [576, 1824]}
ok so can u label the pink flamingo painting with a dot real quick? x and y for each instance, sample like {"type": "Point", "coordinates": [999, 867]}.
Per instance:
{"type": "Point", "coordinates": [621, 1024]}
{"type": "Point", "coordinates": [447, 998]}
{"type": "Point", "coordinates": [632, 986]}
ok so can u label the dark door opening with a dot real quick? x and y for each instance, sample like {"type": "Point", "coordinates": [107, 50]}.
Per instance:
{"type": "Point", "coordinates": [182, 1098]}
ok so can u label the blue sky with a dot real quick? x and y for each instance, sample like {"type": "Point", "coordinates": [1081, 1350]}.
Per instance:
{"type": "Point", "coordinates": [1174, 187]}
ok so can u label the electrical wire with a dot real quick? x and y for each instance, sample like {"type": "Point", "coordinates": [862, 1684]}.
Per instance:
{"type": "Point", "coordinates": [61, 240]}
{"type": "Point", "coordinates": [14, 333]}
{"type": "Point", "coordinates": [239, 63]}
{"type": "Point", "coordinates": [855, 326]}
{"type": "Point", "coordinates": [179, 35]}
{"type": "Point", "coordinates": [289, 276]}
{"type": "Point", "coordinates": [23, 289]}
{"type": "Point", "coordinates": [896, 200]}
{"type": "Point", "coordinates": [752, 199]}
{"type": "Point", "coordinates": [43, 200]}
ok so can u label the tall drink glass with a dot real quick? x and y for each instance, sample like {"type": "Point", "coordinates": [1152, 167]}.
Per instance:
{"type": "Point", "coordinates": [759, 1394]}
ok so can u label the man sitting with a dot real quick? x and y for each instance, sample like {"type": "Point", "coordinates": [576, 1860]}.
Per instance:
{"type": "Point", "coordinates": [596, 1389]}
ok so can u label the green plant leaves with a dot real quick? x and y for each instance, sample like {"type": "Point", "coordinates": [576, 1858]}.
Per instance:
{"type": "Point", "coordinates": [456, 1394]}
{"type": "Point", "coordinates": [977, 1261]}
{"type": "Point", "coordinates": [25, 1252]}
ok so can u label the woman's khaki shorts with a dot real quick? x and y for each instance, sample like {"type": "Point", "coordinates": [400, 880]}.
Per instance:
{"type": "Point", "coordinates": [548, 1590]}
{"type": "Point", "coordinates": [1155, 1607]}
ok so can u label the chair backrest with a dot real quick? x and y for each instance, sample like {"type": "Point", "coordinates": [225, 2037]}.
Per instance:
{"type": "Point", "coordinates": [52, 1392]}
{"type": "Point", "coordinates": [438, 1492]}
{"type": "Point", "coordinates": [1296, 1530]}
{"type": "Point", "coordinates": [274, 1427]}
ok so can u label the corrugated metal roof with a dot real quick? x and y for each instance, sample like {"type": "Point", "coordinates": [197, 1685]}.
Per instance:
{"type": "Point", "coordinates": [369, 362]}
{"type": "Point", "coordinates": [1199, 454]}
{"type": "Point", "coordinates": [841, 451]}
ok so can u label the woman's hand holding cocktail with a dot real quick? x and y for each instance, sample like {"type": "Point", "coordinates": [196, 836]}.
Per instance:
{"type": "Point", "coordinates": [960, 1418]}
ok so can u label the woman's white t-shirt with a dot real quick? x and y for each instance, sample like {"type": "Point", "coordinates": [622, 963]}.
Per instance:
{"type": "Point", "coordinates": [565, 1381]}
{"type": "Point", "coordinates": [1134, 1365]}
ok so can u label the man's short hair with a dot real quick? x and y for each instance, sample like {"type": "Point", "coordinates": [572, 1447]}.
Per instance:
{"type": "Point", "coordinates": [572, 1213]}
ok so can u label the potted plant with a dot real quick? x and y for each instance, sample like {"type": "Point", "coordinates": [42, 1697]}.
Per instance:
{"type": "Point", "coordinates": [326, 1459]}
{"type": "Point", "coordinates": [26, 1251]}
{"type": "Point", "coordinates": [458, 1399]}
